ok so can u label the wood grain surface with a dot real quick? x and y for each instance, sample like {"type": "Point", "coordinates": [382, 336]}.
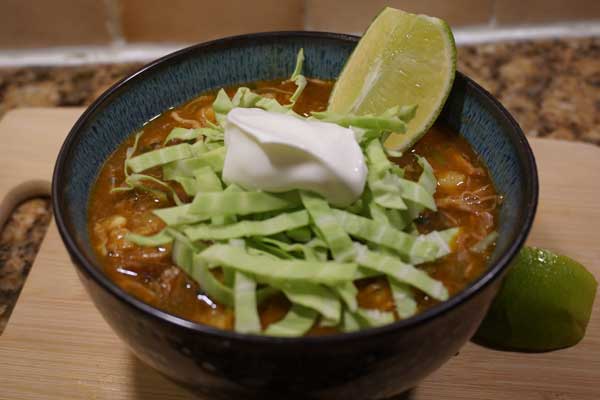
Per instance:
{"type": "Point", "coordinates": [57, 346]}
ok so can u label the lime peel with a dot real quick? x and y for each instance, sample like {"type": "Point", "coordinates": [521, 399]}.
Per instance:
{"type": "Point", "coordinates": [544, 304]}
{"type": "Point", "coordinates": [402, 59]}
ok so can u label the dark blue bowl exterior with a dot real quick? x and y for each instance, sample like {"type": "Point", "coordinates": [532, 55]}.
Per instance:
{"type": "Point", "coordinates": [370, 364]}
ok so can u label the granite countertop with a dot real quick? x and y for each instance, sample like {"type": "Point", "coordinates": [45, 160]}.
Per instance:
{"type": "Point", "coordinates": [551, 87]}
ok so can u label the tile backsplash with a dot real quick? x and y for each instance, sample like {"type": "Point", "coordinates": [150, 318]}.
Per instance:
{"type": "Point", "coordinates": [352, 16]}
{"type": "Point", "coordinates": [44, 23]}
{"type": "Point", "coordinates": [200, 20]}
{"type": "Point", "coordinates": [519, 12]}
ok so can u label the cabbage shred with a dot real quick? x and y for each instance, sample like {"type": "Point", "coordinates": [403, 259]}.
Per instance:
{"type": "Point", "coordinates": [294, 243]}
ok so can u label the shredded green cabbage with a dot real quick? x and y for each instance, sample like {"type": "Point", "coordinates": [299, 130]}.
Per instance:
{"type": "Point", "coordinates": [298, 78]}
{"type": "Point", "coordinates": [179, 215]}
{"type": "Point", "coordinates": [406, 306]}
{"type": "Point", "coordinates": [400, 271]}
{"type": "Point", "coordinates": [386, 192]}
{"type": "Point", "coordinates": [316, 297]}
{"type": "Point", "coordinates": [486, 242]}
{"type": "Point", "coordinates": [260, 245]}
{"type": "Point", "coordinates": [309, 250]}
{"type": "Point", "coordinates": [241, 203]}
{"type": "Point", "coordinates": [389, 190]}
{"type": "Point", "coordinates": [159, 157]}
{"type": "Point", "coordinates": [187, 167]}
{"type": "Point", "coordinates": [377, 160]}
{"type": "Point", "coordinates": [392, 120]}
{"type": "Point", "coordinates": [207, 180]}
{"type": "Point", "coordinates": [188, 184]}
{"type": "Point", "coordinates": [295, 323]}
{"type": "Point", "coordinates": [221, 106]}
{"type": "Point", "coordinates": [427, 179]}
{"type": "Point", "coordinates": [214, 288]}
{"type": "Point", "coordinates": [441, 240]}
{"type": "Point", "coordinates": [375, 232]}
{"type": "Point", "coordinates": [244, 300]}
{"type": "Point", "coordinates": [182, 134]}
{"type": "Point", "coordinates": [349, 322]}
{"type": "Point", "coordinates": [294, 243]}
{"type": "Point", "coordinates": [299, 63]}
{"type": "Point", "coordinates": [247, 228]}
{"type": "Point", "coordinates": [135, 181]}
{"type": "Point", "coordinates": [244, 97]}
{"type": "Point", "coordinates": [267, 268]}
{"type": "Point", "coordinates": [347, 292]}
{"type": "Point", "coordinates": [302, 234]}
{"type": "Point", "coordinates": [339, 242]}
{"type": "Point", "coordinates": [372, 318]}
{"type": "Point", "coordinates": [183, 253]}
{"type": "Point", "coordinates": [272, 105]}
{"type": "Point", "coordinates": [131, 151]}
{"type": "Point", "coordinates": [159, 239]}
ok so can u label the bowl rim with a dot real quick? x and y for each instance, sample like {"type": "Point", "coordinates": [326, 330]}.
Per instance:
{"type": "Point", "coordinates": [89, 267]}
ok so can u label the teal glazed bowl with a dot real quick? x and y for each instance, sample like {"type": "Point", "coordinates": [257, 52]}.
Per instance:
{"type": "Point", "coordinates": [370, 364]}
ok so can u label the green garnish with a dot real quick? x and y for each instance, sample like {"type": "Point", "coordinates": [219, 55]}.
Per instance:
{"type": "Point", "coordinates": [485, 242]}
{"type": "Point", "coordinates": [179, 215]}
{"type": "Point", "coordinates": [294, 243]}
{"type": "Point", "coordinates": [406, 306]}
{"type": "Point", "coordinates": [244, 301]}
{"type": "Point", "coordinates": [159, 239]}
{"type": "Point", "coordinates": [188, 167]}
{"type": "Point", "coordinates": [241, 203]}
{"type": "Point", "coordinates": [135, 181]}
{"type": "Point", "coordinates": [333, 234]}
{"type": "Point", "coordinates": [295, 323]}
{"type": "Point", "coordinates": [317, 297]}
{"type": "Point", "coordinates": [214, 288]}
{"type": "Point", "coordinates": [392, 120]}
{"type": "Point", "coordinates": [247, 228]}
{"type": "Point", "coordinates": [372, 318]}
{"type": "Point", "coordinates": [183, 250]}
{"type": "Point", "coordinates": [298, 78]}
{"type": "Point", "coordinates": [159, 157]}
{"type": "Point", "coordinates": [394, 268]}
{"type": "Point", "coordinates": [184, 134]}
{"type": "Point", "coordinates": [266, 268]}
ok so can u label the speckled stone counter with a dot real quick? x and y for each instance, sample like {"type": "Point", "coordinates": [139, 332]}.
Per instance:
{"type": "Point", "coordinates": [551, 87]}
{"type": "Point", "coordinates": [19, 242]}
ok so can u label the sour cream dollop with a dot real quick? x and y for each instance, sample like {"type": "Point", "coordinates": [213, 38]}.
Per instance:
{"type": "Point", "coordinates": [278, 152]}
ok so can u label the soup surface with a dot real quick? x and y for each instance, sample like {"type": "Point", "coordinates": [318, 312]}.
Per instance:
{"type": "Point", "coordinates": [465, 198]}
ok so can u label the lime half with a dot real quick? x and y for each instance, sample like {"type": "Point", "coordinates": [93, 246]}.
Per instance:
{"type": "Point", "coordinates": [402, 59]}
{"type": "Point", "coordinates": [544, 304]}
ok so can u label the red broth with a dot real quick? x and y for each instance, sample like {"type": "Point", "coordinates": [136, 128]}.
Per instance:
{"type": "Point", "coordinates": [465, 198]}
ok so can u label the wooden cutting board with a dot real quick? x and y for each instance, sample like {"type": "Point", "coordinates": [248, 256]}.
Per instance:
{"type": "Point", "coordinates": [57, 346]}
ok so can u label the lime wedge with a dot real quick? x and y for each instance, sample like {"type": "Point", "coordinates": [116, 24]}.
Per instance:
{"type": "Point", "coordinates": [402, 59]}
{"type": "Point", "coordinates": [544, 304]}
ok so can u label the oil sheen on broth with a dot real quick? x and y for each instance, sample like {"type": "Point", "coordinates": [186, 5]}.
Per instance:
{"type": "Point", "coordinates": [465, 197]}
